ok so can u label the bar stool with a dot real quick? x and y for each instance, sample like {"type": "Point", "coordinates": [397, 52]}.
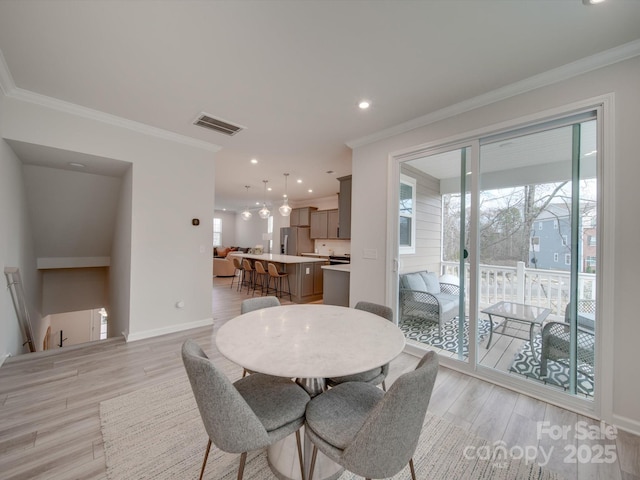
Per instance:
{"type": "Point", "coordinates": [237, 273]}
{"type": "Point", "coordinates": [277, 277]}
{"type": "Point", "coordinates": [248, 274]}
{"type": "Point", "coordinates": [262, 275]}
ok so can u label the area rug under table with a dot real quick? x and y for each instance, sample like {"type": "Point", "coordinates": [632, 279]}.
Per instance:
{"type": "Point", "coordinates": [156, 433]}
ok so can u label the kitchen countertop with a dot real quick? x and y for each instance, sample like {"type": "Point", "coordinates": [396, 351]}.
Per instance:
{"type": "Point", "coordinates": [343, 267]}
{"type": "Point", "coordinates": [277, 258]}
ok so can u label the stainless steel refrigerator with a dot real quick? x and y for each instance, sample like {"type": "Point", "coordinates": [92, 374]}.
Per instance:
{"type": "Point", "coordinates": [295, 240]}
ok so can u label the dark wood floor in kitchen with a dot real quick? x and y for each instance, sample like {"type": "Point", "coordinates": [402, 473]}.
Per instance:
{"type": "Point", "coordinates": [49, 404]}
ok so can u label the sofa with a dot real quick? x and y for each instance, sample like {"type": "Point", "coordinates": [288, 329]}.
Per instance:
{"type": "Point", "coordinates": [424, 297]}
{"type": "Point", "coordinates": [223, 266]}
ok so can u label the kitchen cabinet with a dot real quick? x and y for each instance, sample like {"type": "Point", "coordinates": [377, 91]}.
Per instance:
{"type": "Point", "coordinates": [318, 278]}
{"type": "Point", "coordinates": [333, 218]}
{"type": "Point", "coordinates": [301, 217]}
{"type": "Point", "coordinates": [310, 279]}
{"type": "Point", "coordinates": [319, 224]}
{"type": "Point", "coordinates": [336, 285]}
{"type": "Point", "coordinates": [324, 224]}
{"type": "Point", "coordinates": [344, 207]}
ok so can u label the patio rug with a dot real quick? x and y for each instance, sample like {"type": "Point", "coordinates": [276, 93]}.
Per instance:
{"type": "Point", "coordinates": [526, 362]}
{"type": "Point", "coordinates": [427, 333]}
{"type": "Point", "coordinates": [156, 433]}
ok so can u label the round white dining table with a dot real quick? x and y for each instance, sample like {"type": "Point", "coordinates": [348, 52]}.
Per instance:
{"type": "Point", "coordinates": [308, 342]}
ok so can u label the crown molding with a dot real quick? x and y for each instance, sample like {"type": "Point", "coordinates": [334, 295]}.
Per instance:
{"type": "Point", "coordinates": [10, 90]}
{"type": "Point", "coordinates": [573, 69]}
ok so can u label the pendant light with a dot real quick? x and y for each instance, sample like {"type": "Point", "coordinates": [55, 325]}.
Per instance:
{"type": "Point", "coordinates": [246, 214]}
{"type": "Point", "coordinates": [285, 209]}
{"type": "Point", "coordinates": [264, 211]}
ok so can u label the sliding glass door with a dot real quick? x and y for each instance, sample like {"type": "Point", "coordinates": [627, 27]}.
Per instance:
{"type": "Point", "coordinates": [498, 242]}
{"type": "Point", "coordinates": [537, 235]}
{"type": "Point", "coordinates": [433, 225]}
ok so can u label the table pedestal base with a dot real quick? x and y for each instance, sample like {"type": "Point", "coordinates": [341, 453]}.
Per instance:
{"type": "Point", "coordinates": [283, 461]}
{"type": "Point", "coordinates": [283, 455]}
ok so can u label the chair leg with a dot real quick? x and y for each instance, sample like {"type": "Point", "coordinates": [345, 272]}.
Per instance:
{"type": "Point", "coordinates": [413, 470]}
{"type": "Point", "coordinates": [243, 459]}
{"type": "Point", "coordinates": [313, 462]}
{"type": "Point", "coordinates": [204, 462]}
{"type": "Point", "coordinates": [300, 460]}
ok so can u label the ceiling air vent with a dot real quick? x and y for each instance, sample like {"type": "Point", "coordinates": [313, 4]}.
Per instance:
{"type": "Point", "coordinates": [207, 121]}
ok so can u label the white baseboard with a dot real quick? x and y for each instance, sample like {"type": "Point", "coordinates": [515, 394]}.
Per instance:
{"type": "Point", "coordinates": [4, 357]}
{"type": "Point", "coordinates": [627, 424]}
{"type": "Point", "coordinates": [132, 337]}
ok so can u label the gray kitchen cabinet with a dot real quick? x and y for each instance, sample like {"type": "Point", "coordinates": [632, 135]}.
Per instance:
{"type": "Point", "coordinates": [319, 224]}
{"type": "Point", "coordinates": [333, 222]}
{"type": "Point", "coordinates": [324, 224]}
{"type": "Point", "coordinates": [301, 217]}
{"type": "Point", "coordinates": [344, 207]}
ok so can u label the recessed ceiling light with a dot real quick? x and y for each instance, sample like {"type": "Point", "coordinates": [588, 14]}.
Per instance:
{"type": "Point", "coordinates": [310, 191]}
{"type": "Point", "coordinates": [592, 2]}
{"type": "Point", "coordinates": [254, 161]}
{"type": "Point", "coordinates": [269, 188]}
{"type": "Point", "coordinates": [364, 104]}
{"type": "Point", "coordinates": [77, 165]}
{"type": "Point", "coordinates": [299, 180]}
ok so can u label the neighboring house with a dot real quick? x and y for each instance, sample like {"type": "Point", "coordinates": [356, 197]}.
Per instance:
{"type": "Point", "coordinates": [550, 245]}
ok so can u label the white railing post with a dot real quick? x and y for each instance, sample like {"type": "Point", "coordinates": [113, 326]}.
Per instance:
{"type": "Point", "coordinates": [520, 275]}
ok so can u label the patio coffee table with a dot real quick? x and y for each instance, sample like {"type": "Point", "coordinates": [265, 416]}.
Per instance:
{"type": "Point", "coordinates": [516, 312]}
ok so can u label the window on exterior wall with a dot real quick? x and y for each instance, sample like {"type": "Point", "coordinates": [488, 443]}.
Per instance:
{"type": "Point", "coordinates": [407, 215]}
{"type": "Point", "coordinates": [555, 257]}
{"type": "Point", "coordinates": [567, 259]}
{"type": "Point", "coordinates": [217, 232]}
{"type": "Point", "coordinates": [592, 241]}
{"type": "Point", "coordinates": [565, 240]}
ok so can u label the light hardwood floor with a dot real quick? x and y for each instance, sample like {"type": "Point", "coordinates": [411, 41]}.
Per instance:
{"type": "Point", "coordinates": [49, 404]}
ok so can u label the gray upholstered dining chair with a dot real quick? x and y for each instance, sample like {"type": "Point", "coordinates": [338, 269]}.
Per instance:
{"type": "Point", "coordinates": [252, 413]}
{"type": "Point", "coordinates": [370, 432]}
{"type": "Point", "coordinates": [251, 304]}
{"type": "Point", "coordinates": [377, 375]}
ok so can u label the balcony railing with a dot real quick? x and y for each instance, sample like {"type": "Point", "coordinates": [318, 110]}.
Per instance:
{"type": "Point", "coordinates": [542, 288]}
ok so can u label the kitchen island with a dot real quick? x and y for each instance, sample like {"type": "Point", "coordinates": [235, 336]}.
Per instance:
{"type": "Point", "coordinates": [336, 284]}
{"type": "Point", "coordinates": [305, 273]}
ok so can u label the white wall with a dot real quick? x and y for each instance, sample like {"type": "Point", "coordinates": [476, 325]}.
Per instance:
{"type": "Point", "coordinates": [87, 200]}
{"type": "Point", "coordinates": [171, 183]}
{"type": "Point", "coordinates": [370, 173]}
{"type": "Point", "coordinates": [74, 289]}
{"type": "Point", "coordinates": [76, 328]}
{"type": "Point", "coordinates": [120, 268]}
{"type": "Point", "coordinates": [249, 232]}
{"type": "Point", "coordinates": [16, 248]}
{"type": "Point", "coordinates": [228, 227]}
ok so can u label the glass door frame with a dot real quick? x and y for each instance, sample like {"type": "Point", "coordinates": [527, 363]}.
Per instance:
{"type": "Point", "coordinates": [602, 400]}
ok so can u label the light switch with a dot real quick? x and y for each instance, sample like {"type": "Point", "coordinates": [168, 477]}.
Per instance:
{"type": "Point", "coordinates": [370, 253]}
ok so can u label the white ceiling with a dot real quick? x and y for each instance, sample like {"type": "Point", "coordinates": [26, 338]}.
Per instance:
{"type": "Point", "coordinates": [292, 72]}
